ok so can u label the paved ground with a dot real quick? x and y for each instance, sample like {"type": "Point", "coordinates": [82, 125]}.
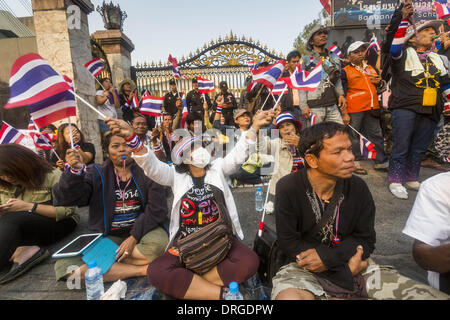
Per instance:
{"type": "Point", "coordinates": [392, 246]}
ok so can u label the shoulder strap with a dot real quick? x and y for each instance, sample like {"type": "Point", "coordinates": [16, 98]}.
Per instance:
{"type": "Point", "coordinates": [315, 232]}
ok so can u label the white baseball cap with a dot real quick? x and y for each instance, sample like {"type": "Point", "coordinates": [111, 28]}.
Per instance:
{"type": "Point", "coordinates": [355, 46]}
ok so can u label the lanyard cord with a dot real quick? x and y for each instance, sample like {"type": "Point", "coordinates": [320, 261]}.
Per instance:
{"type": "Point", "coordinates": [122, 192]}
{"type": "Point", "coordinates": [335, 236]}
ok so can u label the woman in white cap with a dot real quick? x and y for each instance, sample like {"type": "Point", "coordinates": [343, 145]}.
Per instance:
{"type": "Point", "coordinates": [420, 88]}
{"type": "Point", "coordinates": [204, 254]}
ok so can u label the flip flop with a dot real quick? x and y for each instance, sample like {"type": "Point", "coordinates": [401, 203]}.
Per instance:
{"type": "Point", "coordinates": [360, 171]}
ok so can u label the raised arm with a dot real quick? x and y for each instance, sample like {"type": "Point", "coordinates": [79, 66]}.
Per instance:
{"type": "Point", "coordinates": [156, 170]}
{"type": "Point", "coordinates": [241, 151]}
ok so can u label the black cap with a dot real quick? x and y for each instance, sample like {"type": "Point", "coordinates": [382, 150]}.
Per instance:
{"type": "Point", "coordinates": [223, 85]}
{"type": "Point", "coordinates": [172, 81]}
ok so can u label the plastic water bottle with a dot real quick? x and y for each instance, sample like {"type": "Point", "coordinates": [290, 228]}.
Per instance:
{"type": "Point", "coordinates": [234, 293]}
{"type": "Point", "coordinates": [94, 282]}
{"type": "Point", "coordinates": [259, 201]}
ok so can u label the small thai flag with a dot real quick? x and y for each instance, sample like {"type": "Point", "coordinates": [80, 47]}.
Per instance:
{"type": "Point", "coordinates": [442, 9]}
{"type": "Point", "coordinates": [268, 76]}
{"type": "Point", "coordinates": [367, 148]}
{"type": "Point", "coordinates": [374, 44]}
{"type": "Point", "coordinates": [280, 88]}
{"type": "Point", "coordinates": [313, 119]}
{"type": "Point", "coordinates": [10, 135]}
{"type": "Point", "coordinates": [205, 85]}
{"type": "Point", "coordinates": [95, 67]}
{"type": "Point", "coordinates": [152, 106]}
{"type": "Point", "coordinates": [175, 68]}
{"type": "Point", "coordinates": [184, 112]}
{"type": "Point", "coordinates": [135, 102]}
{"type": "Point", "coordinates": [42, 140]}
{"type": "Point", "coordinates": [253, 65]}
{"type": "Point", "coordinates": [33, 80]}
{"type": "Point", "coordinates": [32, 126]}
{"type": "Point", "coordinates": [334, 49]}
{"type": "Point", "coordinates": [326, 5]}
{"type": "Point", "coordinates": [303, 80]}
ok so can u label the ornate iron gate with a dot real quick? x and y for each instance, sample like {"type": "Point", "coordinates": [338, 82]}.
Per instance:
{"type": "Point", "coordinates": [221, 60]}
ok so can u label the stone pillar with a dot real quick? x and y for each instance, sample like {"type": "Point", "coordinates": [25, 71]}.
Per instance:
{"type": "Point", "coordinates": [117, 47]}
{"type": "Point", "coordinates": [62, 37]}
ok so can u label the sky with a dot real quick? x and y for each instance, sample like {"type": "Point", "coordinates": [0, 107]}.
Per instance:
{"type": "Point", "coordinates": [177, 27]}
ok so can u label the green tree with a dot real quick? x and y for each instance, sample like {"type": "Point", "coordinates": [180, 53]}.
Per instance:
{"type": "Point", "coordinates": [301, 41]}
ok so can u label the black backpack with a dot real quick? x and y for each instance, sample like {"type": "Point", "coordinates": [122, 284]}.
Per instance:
{"type": "Point", "coordinates": [271, 258]}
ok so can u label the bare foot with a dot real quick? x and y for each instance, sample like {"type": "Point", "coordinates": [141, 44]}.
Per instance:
{"type": "Point", "coordinates": [22, 254]}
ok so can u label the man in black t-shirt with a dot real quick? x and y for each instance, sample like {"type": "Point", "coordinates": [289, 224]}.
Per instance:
{"type": "Point", "coordinates": [172, 99]}
{"type": "Point", "coordinates": [230, 103]}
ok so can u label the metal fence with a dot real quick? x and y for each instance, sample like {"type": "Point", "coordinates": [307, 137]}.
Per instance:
{"type": "Point", "coordinates": [157, 82]}
{"type": "Point", "coordinates": [222, 60]}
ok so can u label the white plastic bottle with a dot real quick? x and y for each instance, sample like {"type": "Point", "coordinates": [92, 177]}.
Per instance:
{"type": "Point", "coordinates": [234, 293]}
{"type": "Point", "coordinates": [259, 200]}
{"type": "Point", "coordinates": [93, 279]}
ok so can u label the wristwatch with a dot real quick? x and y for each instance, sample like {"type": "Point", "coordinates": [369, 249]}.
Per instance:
{"type": "Point", "coordinates": [34, 208]}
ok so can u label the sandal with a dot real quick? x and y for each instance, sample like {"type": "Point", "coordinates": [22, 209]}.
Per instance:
{"type": "Point", "coordinates": [360, 171]}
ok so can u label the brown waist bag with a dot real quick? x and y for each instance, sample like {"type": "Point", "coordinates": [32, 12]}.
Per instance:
{"type": "Point", "coordinates": [204, 249]}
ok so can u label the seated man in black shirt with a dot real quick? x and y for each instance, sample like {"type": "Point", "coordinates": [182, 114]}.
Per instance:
{"type": "Point", "coordinates": [325, 220]}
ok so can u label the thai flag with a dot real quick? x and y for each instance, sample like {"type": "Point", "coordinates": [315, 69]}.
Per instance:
{"type": "Point", "coordinates": [10, 135]}
{"type": "Point", "coordinates": [152, 106]}
{"type": "Point", "coordinates": [374, 44]}
{"type": "Point", "coordinates": [32, 80]}
{"type": "Point", "coordinates": [303, 80]}
{"type": "Point", "coordinates": [52, 109]}
{"type": "Point", "coordinates": [42, 140]}
{"type": "Point", "coordinates": [367, 148]}
{"type": "Point", "coordinates": [135, 102]}
{"type": "Point", "coordinates": [184, 112]}
{"type": "Point", "coordinates": [442, 9]}
{"type": "Point", "coordinates": [32, 126]}
{"type": "Point", "coordinates": [175, 68]}
{"type": "Point", "coordinates": [313, 119]}
{"type": "Point", "coordinates": [205, 85]}
{"type": "Point", "coordinates": [268, 76]}
{"type": "Point", "coordinates": [95, 67]}
{"type": "Point", "coordinates": [253, 65]}
{"type": "Point", "coordinates": [280, 88]}
{"type": "Point", "coordinates": [334, 49]}
{"type": "Point", "coordinates": [326, 5]}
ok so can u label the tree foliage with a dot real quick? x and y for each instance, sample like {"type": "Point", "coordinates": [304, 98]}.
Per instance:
{"type": "Point", "coordinates": [301, 41]}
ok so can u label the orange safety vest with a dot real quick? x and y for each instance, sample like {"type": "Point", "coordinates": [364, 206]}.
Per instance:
{"type": "Point", "coordinates": [361, 93]}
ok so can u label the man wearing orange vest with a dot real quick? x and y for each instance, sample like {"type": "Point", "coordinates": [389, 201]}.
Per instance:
{"type": "Point", "coordinates": [360, 82]}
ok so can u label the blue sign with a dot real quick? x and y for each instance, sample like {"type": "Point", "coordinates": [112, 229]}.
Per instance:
{"type": "Point", "coordinates": [373, 14]}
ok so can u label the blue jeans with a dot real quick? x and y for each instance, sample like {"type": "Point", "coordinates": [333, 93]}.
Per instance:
{"type": "Point", "coordinates": [412, 134]}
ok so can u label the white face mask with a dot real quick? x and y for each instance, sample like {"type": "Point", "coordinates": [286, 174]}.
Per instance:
{"type": "Point", "coordinates": [200, 158]}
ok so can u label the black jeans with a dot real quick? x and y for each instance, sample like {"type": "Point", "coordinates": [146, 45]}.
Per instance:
{"type": "Point", "coordinates": [24, 229]}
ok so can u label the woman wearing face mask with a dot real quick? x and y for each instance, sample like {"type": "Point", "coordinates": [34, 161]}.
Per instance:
{"type": "Point", "coordinates": [124, 204]}
{"type": "Point", "coordinates": [202, 200]}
